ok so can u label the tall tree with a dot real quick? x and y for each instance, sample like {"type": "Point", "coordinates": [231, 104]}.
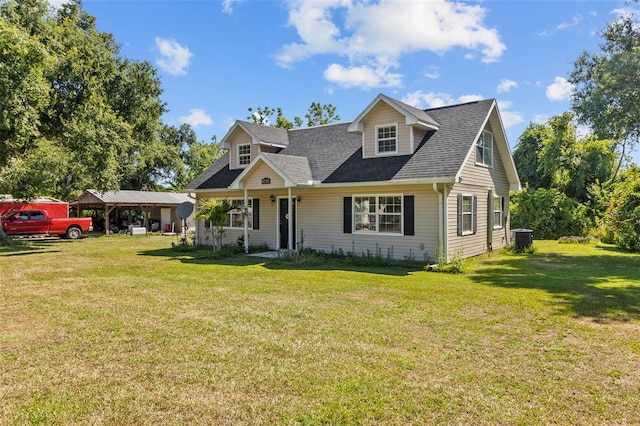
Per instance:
{"type": "Point", "coordinates": [607, 85]}
{"type": "Point", "coordinates": [73, 113]}
{"type": "Point", "coordinates": [317, 115]}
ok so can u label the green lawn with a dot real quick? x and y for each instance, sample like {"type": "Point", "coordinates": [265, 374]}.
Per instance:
{"type": "Point", "coordinates": [126, 330]}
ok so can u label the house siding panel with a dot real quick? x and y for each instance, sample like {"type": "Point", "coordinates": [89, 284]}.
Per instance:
{"type": "Point", "coordinates": [319, 222]}
{"type": "Point", "coordinates": [264, 235]}
{"type": "Point", "coordinates": [383, 115]}
{"type": "Point", "coordinates": [254, 178]}
{"type": "Point", "coordinates": [478, 180]}
{"type": "Point", "coordinates": [240, 138]}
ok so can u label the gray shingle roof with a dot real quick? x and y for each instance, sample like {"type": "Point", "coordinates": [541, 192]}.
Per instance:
{"type": "Point", "coordinates": [335, 155]}
{"type": "Point", "coordinates": [295, 168]}
{"type": "Point", "coordinates": [267, 134]}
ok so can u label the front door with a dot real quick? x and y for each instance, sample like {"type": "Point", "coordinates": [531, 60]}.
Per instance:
{"type": "Point", "coordinates": [284, 222]}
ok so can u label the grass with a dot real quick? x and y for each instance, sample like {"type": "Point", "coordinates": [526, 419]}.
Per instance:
{"type": "Point", "coordinates": [126, 330]}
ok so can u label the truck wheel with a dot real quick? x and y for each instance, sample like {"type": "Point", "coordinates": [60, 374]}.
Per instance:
{"type": "Point", "coordinates": [74, 233]}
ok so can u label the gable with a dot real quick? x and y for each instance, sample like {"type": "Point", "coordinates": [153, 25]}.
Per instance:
{"type": "Point", "coordinates": [336, 154]}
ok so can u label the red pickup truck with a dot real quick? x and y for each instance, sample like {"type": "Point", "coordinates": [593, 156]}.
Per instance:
{"type": "Point", "coordinates": [38, 222]}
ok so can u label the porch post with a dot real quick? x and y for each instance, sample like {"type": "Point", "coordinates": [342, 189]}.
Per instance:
{"type": "Point", "coordinates": [290, 221]}
{"type": "Point", "coordinates": [246, 220]}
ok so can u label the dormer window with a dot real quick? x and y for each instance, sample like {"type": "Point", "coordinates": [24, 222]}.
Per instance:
{"type": "Point", "coordinates": [244, 155]}
{"type": "Point", "coordinates": [387, 139]}
{"type": "Point", "coordinates": [484, 149]}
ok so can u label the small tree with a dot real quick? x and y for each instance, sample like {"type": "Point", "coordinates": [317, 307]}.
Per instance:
{"type": "Point", "coordinates": [217, 214]}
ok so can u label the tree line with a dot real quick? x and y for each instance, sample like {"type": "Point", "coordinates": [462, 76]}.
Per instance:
{"type": "Point", "coordinates": [586, 186]}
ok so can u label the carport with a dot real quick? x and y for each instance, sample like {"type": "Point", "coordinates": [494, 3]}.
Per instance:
{"type": "Point", "coordinates": [159, 206]}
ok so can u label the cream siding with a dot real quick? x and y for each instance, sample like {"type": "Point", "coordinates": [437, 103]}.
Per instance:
{"type": "Point", "coordinates": [263, 236]}
{"type": "Point", "coordinates": [254, 179]}
{"type": "Point", "coordinates": [319, 222]}
{"type": "Point", "coordinates": [478, 180]}
{"type": "Point", "coordinates": [239, 137]}
{"type": "Point", "coordinates": [383, 115]}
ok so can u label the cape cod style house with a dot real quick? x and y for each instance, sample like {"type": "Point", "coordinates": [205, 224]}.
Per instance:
{"type": "Point", "coordinates": [397, 181]}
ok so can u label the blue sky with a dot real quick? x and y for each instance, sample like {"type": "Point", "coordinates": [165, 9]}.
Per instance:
{"type": "Point", "coordinates": [217, 58]}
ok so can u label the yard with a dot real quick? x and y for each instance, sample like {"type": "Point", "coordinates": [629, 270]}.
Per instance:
{"type": "Point", "coordinates": [126, 330]}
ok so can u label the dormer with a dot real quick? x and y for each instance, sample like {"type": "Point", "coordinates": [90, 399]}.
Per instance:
{"type": "Point", "coordinates": [246, 140]}
{"type": "Point", "coordinates": [390, 127]}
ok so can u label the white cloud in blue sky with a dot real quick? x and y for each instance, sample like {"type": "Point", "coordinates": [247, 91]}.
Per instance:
{"type": "Point", "coordinates": [174, 58]}
{"type": "Point", "coordinates": [373, 36]}
{"type": "Point", "coordinates": [560, 90]}
{"type": "Point", "coordinates": [197, 117]}
{"type": "Point", "coordinates": [227, 6]}
{"type": "Point", "coordinates": [506, 85]}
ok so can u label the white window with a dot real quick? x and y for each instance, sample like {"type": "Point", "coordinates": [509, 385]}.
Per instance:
{"type": "Point", "coordinates": [378, 214]}
{"type": "Point", "coordinates": [484, 149]}
{"type": "Point", "coordinates": [467, 214]}
{"type": "Point", "coordinates": [498, 212]}
{"type": "Point", "coordinates": [244, 154]}
{"type": "Point", "coordinates": [236, 215]}
{"type": "Point", "coordinates": [387, 139]}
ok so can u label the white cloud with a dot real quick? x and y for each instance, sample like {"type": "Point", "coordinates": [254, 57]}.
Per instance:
{"type": "Point", "coordinates": [433, 72]}
{"type": "Point", "coordinates": [509, 118]}
{"type": "Point", "coordinates": [372, 36]}
{"type": "Point", "coordinates": [197, 117]}
{"type": "Point", "coordinates": [227, 6]}
{"type": "Point", "coordinates": [420, 99]}
{"type": "Point", "coordinates": [560, 90]}
{"type": "Point", "coordinates": [363, 76]}
{"type": "Point", "coordinates": [575, 21]}
{"type": "Point", "coordinates": [174, 58]}
{"type": "Point", "coordinates": [506, 85]}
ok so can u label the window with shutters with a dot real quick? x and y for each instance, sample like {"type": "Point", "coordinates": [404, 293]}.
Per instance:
{"type": "Point", "coordinates": [467, 214]}
{"type": "Point", "coordinates": [378, 214]}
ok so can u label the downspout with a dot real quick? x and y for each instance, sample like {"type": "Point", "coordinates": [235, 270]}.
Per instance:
{"type": "Point", "coordinates": [246, 220]}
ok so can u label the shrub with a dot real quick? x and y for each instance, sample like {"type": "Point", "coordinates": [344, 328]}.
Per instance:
{"type": "Point", "coordinates": [549, 213]}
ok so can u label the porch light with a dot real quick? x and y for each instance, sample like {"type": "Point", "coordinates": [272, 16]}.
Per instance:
{"type": "Point", "coordinates": [299, 199]}
{"type": "Point", "coordinates": [272, 198]}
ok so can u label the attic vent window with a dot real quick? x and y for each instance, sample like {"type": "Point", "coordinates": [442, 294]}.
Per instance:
{"type": "Point", "coordinates": [386, 139]}
{"type": "Point", "coordinates": [266, 181]}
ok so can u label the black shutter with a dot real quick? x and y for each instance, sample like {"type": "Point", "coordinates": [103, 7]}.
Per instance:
{"type": "Point", "coordinates": [459, 214]}
{"type": "Point", "coordinates": [347, 216]}
{"type": "Point", "coordinates": [475, 214]}
{"type": "Point", "coordinates": [256, 213]}
{"type": "Point", "coordinates": [409, 228]}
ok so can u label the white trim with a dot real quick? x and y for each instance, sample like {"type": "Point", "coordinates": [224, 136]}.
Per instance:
{"type": "Point", "coordinates": [396, 138]}
{"type": "Point", "coordinates": [411, 140]}
{"type": "Point", "coordinates": [410, 118]}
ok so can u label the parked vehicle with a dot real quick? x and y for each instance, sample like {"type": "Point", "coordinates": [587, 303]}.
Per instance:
{"type": "Point", "coordinates": [54, 207]}
{"type": "Point", "coordinates": [39, 222]}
